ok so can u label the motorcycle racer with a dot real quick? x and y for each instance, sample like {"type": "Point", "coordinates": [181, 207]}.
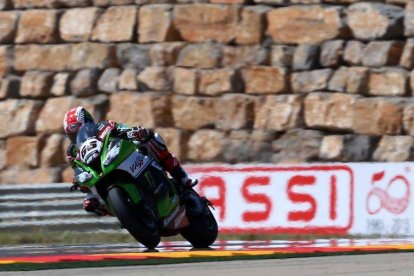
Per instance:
{"type": "Point", "coordinates": [151, 141]}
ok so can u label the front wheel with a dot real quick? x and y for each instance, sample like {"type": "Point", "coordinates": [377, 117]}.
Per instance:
{"type": "Point", "coordinates": [143, 230]}
{"type": "Point", "coordinates": [202, 230]}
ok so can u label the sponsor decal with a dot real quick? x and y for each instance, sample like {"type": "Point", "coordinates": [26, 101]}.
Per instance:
{"type": "Point", "coordinates": [135, 164]}
{"type": "Point", "coordinates": [138, 164]}
{"type": "Point", "coordinates": [104, 130]}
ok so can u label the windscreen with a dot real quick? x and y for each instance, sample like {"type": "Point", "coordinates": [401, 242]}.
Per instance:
{"type": "Point", "coordinates": [86, 131]}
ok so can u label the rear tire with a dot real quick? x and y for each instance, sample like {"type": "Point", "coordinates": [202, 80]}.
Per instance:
{"type": "Point", "coordinates": [202, 230]}
{"type": "Point", "coordinates": [145, 232]}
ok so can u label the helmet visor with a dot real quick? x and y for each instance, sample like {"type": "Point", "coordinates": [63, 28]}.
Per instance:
{"type": "Point", "coordinates": [72, 131]}
{"type": "Point", "coordinates": [87, 131]}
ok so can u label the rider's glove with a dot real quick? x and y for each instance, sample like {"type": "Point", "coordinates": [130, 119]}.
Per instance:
{"type": "Point", "coordinates": [138, 134]}
{"type": "Point", "coordinates": [75, 186]}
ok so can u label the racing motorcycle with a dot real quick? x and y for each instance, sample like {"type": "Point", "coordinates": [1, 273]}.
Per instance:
{"type": "Point", "coordinates": [136, 190]}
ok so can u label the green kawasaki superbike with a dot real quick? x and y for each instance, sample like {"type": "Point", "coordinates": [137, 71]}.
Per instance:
{"type": "Point", "coordinates": [139, 193]}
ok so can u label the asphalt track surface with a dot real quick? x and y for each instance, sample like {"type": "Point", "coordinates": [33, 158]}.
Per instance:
{"type": "Point", "coordinates": [397, 262]}
{"type": "Point", "coordinates": [183, 246]}
{"type": "Point", "coordinates": [371, 264]}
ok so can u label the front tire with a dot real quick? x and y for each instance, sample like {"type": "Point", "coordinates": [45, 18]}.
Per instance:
{"type": "Point", "coordinates": [144, 231]}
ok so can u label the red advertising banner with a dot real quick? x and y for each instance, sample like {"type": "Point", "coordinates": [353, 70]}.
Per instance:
{"type": "Point", "coordinates": [355, 198]}
{"type": "Point", "coordinates": [276, 199]}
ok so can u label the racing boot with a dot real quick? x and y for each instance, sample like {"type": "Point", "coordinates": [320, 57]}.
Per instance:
{"type": "Point", "coordinates": [181, 177]}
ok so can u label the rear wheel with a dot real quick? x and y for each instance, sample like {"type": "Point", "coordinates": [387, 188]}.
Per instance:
{"type": "Point", "coordinates": [202, 230]}
{"type": "Point", "coordinates": [139, 224]}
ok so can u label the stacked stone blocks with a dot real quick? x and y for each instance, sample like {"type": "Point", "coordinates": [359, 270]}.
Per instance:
{"type": "Point", "coordinates": [235, 81]}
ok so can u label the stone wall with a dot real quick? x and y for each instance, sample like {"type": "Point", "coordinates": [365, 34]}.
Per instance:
{"type": "Point", "coordinates": [222, 80]}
